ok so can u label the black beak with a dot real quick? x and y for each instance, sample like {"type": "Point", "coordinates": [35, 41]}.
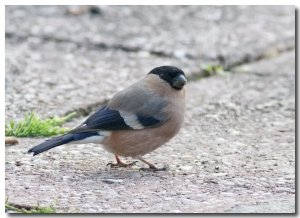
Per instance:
{"type": "Point", "coordinates": [179, 82]}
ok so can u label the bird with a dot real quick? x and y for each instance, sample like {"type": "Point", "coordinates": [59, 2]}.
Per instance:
{"type": "Point", "coordinates": [136, 121]}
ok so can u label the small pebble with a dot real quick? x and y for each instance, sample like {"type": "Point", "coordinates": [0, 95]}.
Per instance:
{"type": "Point", "coordinates": [18, 163]}
{"type": "Point", "coordinates": [94, 10]}
{"type": "Point", "coordinates": [11, 141]}
{"type": "Point", "coordinates": [112, 181]}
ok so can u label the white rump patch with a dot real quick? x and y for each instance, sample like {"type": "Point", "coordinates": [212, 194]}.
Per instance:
{"type": "Point", "coordinates": [96, 139]}
{"type": "Point", "coordinates": [104, 133]}
{"type": "Point", "coordinates": [92, 139]}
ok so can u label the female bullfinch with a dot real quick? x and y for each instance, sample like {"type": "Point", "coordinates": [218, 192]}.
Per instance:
{"type": "Point", "coordinates": [136, 120]}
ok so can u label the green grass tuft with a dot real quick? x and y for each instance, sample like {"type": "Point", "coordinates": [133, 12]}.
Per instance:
{"type": "Point", "coordinates": [32, 126]}
{"type": "Point", "coordinates": [210, 70]}
{"type": "Point", "coordinates": [28, 209]}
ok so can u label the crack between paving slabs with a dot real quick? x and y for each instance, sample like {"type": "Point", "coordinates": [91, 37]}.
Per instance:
{"type": "Point", "coordinates": [100, 45]}
{"type": "Point", "coordinates": [194, 76]}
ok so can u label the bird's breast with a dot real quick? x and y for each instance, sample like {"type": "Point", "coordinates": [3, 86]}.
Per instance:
{"type": "Point", "coordinates": [140, 142]}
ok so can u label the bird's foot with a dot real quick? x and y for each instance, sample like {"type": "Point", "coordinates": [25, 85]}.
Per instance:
{"type": "Point", "coordinates": [121, 164]}
{"type": "Point", "coordinates": [152, 167]}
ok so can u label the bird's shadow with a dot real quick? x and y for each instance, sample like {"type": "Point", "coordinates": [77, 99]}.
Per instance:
{"type": "Point", "coordinates": [111, 176]}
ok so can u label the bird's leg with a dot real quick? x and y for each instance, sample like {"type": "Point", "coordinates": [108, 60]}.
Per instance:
{"type": "Point", "coordinates": [152, 167]}
{"type": "Point", "coordinates": [120, 163]}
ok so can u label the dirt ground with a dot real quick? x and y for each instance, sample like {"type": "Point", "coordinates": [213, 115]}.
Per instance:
{"type": "Point", "coordinates": [236, 151]}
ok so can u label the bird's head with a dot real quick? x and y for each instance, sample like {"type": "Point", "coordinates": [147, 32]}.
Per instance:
{"type": "Point", "coordinates": [172, 75]}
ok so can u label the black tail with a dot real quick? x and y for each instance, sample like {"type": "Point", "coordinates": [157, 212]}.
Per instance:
{"type": "Point", "coordinates": [51, 143]}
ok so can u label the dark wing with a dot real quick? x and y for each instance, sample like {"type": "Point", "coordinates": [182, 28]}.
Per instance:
{"type": "Point", "coordinates": [131, 109]}
{"type": "Point", "coordinates": [109, 119]}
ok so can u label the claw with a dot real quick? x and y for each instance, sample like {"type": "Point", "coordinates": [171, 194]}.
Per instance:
{"type": "Point", "coordinates": [121, 164]}
{"type": "Point", "coordinates": [133, 163]}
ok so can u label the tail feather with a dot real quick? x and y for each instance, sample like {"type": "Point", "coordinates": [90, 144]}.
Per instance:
{"type": "Point", "coordinates": [83, 137]}
{"type": "Point", "coordinates": [51, 143]}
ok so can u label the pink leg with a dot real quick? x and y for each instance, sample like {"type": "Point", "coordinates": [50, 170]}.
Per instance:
{"type": "Point", "coordinates": [120, 163]}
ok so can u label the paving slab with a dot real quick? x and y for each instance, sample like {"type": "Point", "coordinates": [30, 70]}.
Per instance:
{"type": "Point", "coordinates": [57, 61]}
{"type": "Point", "coordinates": [223, 33]}
{"type": "Point", "coordinates": [56, 78]}
{"type": "Point", "coordinates": [235, 153]}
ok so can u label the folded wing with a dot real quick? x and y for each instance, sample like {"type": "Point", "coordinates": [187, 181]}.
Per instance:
{"type": "Point", "coordinates": [132, 109]}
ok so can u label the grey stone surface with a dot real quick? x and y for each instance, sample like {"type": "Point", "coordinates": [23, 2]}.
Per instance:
{"type": "Point", "coordinates": [53, 78]}
{"type": "Point", "coordinates": [58, 62]}
{"type": "Point", "coordinates": [205, 32]}
{"type": "Point", "coordinates": [236, 151]}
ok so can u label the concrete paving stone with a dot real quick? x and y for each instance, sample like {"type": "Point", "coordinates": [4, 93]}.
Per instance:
{"type": "Point", "coordinates": [57, 62]}
{"type": "Point", "coordinates": [239, 131]}
{"type": "Point", "coordinates": [230, 156]}
{"type": "Point", "coordinates": [229, 34]}
{"type": "Point", "coordinates": [53, 79]}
